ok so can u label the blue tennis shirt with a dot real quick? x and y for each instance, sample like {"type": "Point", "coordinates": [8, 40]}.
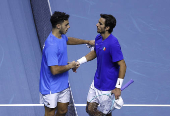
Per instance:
{"type": "Point", "coordinates": [108, 53]}
{"type": "Point", "coordinates": [54, 53]}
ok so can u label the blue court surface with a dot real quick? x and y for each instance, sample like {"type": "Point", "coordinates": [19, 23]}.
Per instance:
{"type": "Point", "coordinates": [143, 31]}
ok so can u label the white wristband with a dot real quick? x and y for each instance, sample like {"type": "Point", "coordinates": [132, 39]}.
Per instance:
{"type": "Point", "coordinates": [82, 60]}
{"type": "Point", "coordinates": [119, 83]}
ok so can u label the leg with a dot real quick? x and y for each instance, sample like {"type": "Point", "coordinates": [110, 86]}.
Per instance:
{"type": "Point", "coordinates": [91, 109]}
{"type": "Point", "coordinates": [63, 102]}
{"type": "Point", "coordinates": [62, 109]}
{"type": "Point", "coordinates": [109, 114]}
{"type": "Point", "coordinates": [49, 111]}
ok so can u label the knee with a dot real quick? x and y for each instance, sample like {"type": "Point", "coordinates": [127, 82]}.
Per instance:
{"type": "Point", "coordinates": [50, 114]}
{"type": "Point", "coordinates": [49, 111]}
{"type": "Point", "coordinates": [62, 111]}
{"type": "Point", "coordinates": [89, 110]}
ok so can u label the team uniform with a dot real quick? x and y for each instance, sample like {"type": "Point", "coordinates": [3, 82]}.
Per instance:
{"type": "Point", "coordinates": [108, 54]}
{"type": "Point", "coordinates": [54, 88]}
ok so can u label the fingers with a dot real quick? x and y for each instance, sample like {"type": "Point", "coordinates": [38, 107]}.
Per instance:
{"type": "Point", "coordinates": [74, 70]}
{"type": "Point", "coordinates": [92, 42]}
{"type": "Point", "coordinates": [116, 97]}
{"type": "Point", "coordinates": [75, 65]}
{"type": "Point", "coordinates": [116, 92]}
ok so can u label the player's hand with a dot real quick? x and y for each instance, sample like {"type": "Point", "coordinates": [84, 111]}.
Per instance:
{"type": "Point", "coordinates": [72, 64]}
{"type": "Point", "coordinates": [77, 65]}
{"type": "Point", "coordinates": [116, 92]}
{"type": "Point", "coordinates": [92, 42]}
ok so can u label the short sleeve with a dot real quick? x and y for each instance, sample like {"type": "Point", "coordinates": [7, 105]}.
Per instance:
{"type": "Point", "coordinates": [116, 52]}
{"type": "Point", "coordinates": [65, 37]}
{"type": "Point", "coordinates": [51, 55]}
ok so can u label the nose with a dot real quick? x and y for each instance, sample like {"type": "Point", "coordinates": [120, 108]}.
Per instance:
{"type": "Point", "coordinates": [97, 24]}
{"type": "Point", "coordinates": [68, 26]}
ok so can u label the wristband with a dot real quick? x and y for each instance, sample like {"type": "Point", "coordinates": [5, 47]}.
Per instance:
{"type": "Point", "coordinates": [119, 83]}
{"type": "Point", "coordinates": [82, 60]}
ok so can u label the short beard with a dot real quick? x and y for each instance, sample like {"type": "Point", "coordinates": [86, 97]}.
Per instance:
{"type": "Point", "coordinates": [61, 32]}
{"type": "Point", "coordinates": [101, 32]}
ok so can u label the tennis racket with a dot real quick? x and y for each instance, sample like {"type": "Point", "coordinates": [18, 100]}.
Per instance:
{"type": "Point", "coordinates": [105, 102]}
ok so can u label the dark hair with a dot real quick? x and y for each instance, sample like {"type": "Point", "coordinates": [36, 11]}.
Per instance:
{"type": "Point", "coordinates": [58, 18]}
{"type": "Point", "coordinates": [110, 21]}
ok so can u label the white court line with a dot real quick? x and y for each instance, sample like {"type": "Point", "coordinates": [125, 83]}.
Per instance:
{"type": "Point", "coordinates": [143, 105]}
{"type": "Point", "coordinates": [135, 105]}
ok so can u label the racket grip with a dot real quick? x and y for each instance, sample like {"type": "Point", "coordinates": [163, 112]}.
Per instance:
{"type": "Point", "coordinates": [127, 84]}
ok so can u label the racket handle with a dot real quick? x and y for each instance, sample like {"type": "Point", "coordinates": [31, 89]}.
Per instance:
{"type": "Point", "coordinates": [127, 84]}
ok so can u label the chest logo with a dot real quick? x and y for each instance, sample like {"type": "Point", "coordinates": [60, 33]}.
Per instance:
{"type": "Point", "coordinates": [104, 49]}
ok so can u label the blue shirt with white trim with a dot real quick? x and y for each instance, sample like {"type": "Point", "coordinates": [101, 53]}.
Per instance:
{"type": "Point", "coordinates": [108, 53]}
{"type": "Point", "coordinates": [54, 53]}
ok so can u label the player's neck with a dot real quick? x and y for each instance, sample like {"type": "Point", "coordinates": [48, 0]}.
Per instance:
{"type": "Point", "coordinates": [105, 35]}
{"type": "Point", "coordinates": [56, 33]}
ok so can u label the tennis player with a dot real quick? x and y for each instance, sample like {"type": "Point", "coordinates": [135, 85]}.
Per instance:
{"type": "Point", "coordinates": [111, 66]}
{"type": "Point", "coordinates": [54, 87]}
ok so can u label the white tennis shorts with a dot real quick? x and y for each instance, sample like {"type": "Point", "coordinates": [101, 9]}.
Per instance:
{"type": "Point", "coordinates": [104, 101]}
{"type": "Point", "coordinates": [95, 92]}
{"type": "Point", "coordinates": [50, 100]}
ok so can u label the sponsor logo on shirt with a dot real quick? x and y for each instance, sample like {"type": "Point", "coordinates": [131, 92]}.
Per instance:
{"type": "Point", "coordinates": [104, 49]}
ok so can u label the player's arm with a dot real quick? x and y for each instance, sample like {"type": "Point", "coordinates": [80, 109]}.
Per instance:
{"type": "Point", "coordinates": [90, 56]}
{"type": "Point", "coordinates": [76, 41]}
{"type": "Point", "coordinates": [122, 71]}
{"type": "Point", "coordinates": [60, 69]}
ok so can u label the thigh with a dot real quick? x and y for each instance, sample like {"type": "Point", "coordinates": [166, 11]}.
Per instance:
{"type": "Point", "coordinates": [91, 94]}
{"type": "Point", "coordinates": [62, 106]}
{"type": "Point", "coordinates": [49, 100]}
{"type": "Point", "coordinates": [49, 111]}
{"type": "Point", "coordinates": [91, 106]}
{"type": "Point", "coordinates": [64, 96]}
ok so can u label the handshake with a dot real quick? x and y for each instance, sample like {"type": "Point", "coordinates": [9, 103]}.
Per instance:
{"type": "Point", "coordinates": [73, 65]}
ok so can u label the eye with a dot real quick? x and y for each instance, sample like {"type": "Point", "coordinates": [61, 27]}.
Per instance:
{"type": "Point", "coordinates": [67, 24]}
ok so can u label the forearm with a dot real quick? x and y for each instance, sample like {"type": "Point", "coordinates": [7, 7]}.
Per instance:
{"type": "Point", "coordinates": [91, 55]}
{"type": "Point", "coordinates": [76, 41]}
{"type": "Point", "coordinates": [59, 69]}
{"type": "Point", "coordinates": [122, 70]}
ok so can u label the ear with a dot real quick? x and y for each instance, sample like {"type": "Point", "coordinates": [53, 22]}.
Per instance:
{"type": "Point", "coordinates": [58, 26]}
{"type": "Point", "coordinates": [107, 28]}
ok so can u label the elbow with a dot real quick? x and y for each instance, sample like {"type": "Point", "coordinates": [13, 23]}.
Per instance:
{"type": "Point", "coordinates": [53, 71]}
{"type": "Point", "coordinates": [122, 64]}
{"type": "Point", "coordinates": [125, 65]}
